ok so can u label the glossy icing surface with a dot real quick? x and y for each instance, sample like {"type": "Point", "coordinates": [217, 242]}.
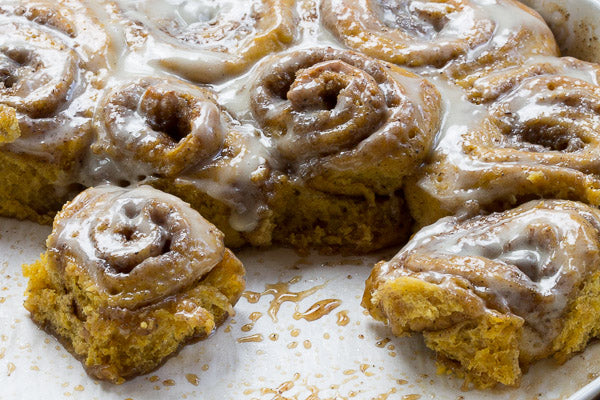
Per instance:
{"type": "Point", "coordinates": [221, 43]}
{"type": "Point", "coordinates": [125, 237]}
{"type": "Point", "coordinates": [529, 261]}
{"type": "Point", "coordinates": [173, 89]}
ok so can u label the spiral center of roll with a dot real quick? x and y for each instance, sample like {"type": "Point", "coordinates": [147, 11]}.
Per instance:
{"type": "Point", "coordinates": [15, 65]}
{"type": "Point", "coordinates": [336, 104]}
{"type": "Point", "coordinates": [168, 113]}
{"type": "Point", "coordinates": [537, 136]}
{"type": "Point", "coordinates": [167, 124]}
{"type": "Point", "coordinates": [347, 107]}
{"type": "Point", "coordinates": [134, 232]}
{"type": "Point", "coordinates": [320, 94]}
{"type": "Point", "coordinates": [422, 18]}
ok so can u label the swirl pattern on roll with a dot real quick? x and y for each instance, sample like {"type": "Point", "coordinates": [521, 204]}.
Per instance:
{"type": "Point", "coordinates": [529, 269]}
{"type": "Point", "coordinates": [538, 140]}
{"type": "Point", "coordinates": [408, 33]}
{"type": "Point", "coordinates": [167, 124]}
{"type": "Point", "coordinates": [130, 276]}
{"type": "Point", "coordinates": [488, 88]}
{"type": "Point", "coordinates": [415, 33]}
{"type": "Point", "coordinates": [209, 40]}
{"type": "Point", "coordinates": [43, 77]}
{"type": "Point", "coordinates": [137, 246]}
{"type": "Point", "coordinates": [73, 22]}
{"type": "Point", "coordinates": [345, 120]}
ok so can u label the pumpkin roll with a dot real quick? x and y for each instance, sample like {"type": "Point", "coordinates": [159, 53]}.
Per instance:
{"type": "Point", "coordinates": [207, 41]}
{"type": "Point", "coordinates": [494, 293]}
{"type": "Point", "coordinates": [346, 130]}
{"type": "Point", "coordinates": [469, 37]}
{"type": "Point", "coordinates": [47, 96]}
{"type": "Point", "coordinates": [164, 124]}
{"type": "Point", "coordinates": [539, 140]}
{"type": "Point", "coordinates": [345, 123]}
{"type": "Point", "coordinates": [71, 20]}
{"type": "Point", "coordinates": [130, 276]}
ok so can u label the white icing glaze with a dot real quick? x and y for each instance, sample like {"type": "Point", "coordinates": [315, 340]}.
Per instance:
{"type": "Point", "coordinates": [137, 45]}
{"type": "Point", "coordinates": [528, 261]}
{"type": "Point", "coordinates": [125, 237]}
{"type": "Point", "coordinates": [234, 184]}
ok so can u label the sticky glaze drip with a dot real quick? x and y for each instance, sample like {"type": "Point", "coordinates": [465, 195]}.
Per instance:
{"type": "Point", "coordinates": [251, 339]}
{"type": "Point", "coordinates": [318, 310]}
{"type": "Point", "coordinates": [281, 293]}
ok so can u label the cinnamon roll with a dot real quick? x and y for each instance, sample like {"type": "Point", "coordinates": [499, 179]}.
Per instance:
{"type": "Point", "coordinates": [166, 124]}
{"type": "Point", "coordinates": [47, 97]}
{"type": "Point", "coordinates": [538, 140]}
{"type": "Point", "coordinates": [494, 293]}
{"type": "Point", "coordinates": [429, 32]}
{"type": "Point", "coordinates": [130, 275]}
{"type": "Point", "coordinates": [343, 122]}
{"type": "Point", "coordinates": [472, 38]}
{"type": "Point", "coordinates": [206, 41]}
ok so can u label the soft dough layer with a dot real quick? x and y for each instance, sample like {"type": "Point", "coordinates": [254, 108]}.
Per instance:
{"type": "Point", "coordinates": [129, 277]}
{"type": "Point", "coordinates": [492, 294]}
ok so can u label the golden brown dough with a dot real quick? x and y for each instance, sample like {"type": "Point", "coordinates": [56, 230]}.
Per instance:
{"type": "Point", "coordinates": [409, 33]}
{"type": "Point", "coordinates": [437, 32]}
{"type": "Point", "coordinates": [488, 88]}
{"type": "Point", "coordinates": [130, 276]}
{"type": "Point", "coordinates": [492, 294]}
